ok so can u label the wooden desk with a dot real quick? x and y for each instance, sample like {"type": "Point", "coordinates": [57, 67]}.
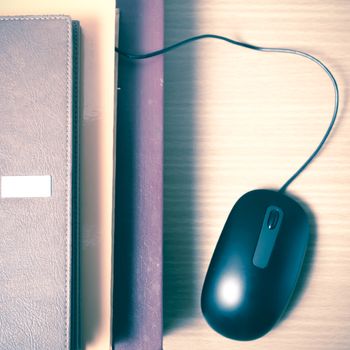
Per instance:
{"type": "Point", "coordinates": [236, 120]}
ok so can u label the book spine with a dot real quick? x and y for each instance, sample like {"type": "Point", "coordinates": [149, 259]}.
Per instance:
{"type": "Point", "coordinates": [137, 309]}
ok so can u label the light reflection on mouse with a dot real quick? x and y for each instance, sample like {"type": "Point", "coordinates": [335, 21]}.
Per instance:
{"type": "Point", "coordinates": [255, 265]}
{"type": "Point", "coordinates": [230, 291]}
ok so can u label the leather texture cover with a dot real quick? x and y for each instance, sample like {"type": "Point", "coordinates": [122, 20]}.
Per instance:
{"type": "Point", "coordinates": [38, 137]}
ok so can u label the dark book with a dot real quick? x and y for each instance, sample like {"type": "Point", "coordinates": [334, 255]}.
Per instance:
{"type": "Point", "coordinates": [137, 308]}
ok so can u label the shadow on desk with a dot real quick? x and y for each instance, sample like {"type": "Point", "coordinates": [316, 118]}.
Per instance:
{"type": "Point", "coordinates": [179, 272]}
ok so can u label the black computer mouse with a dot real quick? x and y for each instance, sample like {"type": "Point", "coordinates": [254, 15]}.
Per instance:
{"type": "Point", "coordinates": [255, 265]}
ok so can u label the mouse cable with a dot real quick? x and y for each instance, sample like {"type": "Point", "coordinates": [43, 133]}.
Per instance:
{"type": "Point", "coordinates": [256, 48]}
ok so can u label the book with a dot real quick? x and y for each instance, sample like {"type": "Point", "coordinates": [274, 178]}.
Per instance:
{"type": "Point", "coordinates": [39, 109]}
{"type": "Point", "coordinates": [137, 300]}
{"type": "Point", "coordinates": [99, 24]}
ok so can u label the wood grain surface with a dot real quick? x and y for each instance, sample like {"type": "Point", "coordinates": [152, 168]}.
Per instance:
{"type": "Point", "coordinates": [236, 120]}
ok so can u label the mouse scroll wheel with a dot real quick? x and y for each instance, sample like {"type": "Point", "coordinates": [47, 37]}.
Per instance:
{"type": "Point", "coordinates": [273, 219]}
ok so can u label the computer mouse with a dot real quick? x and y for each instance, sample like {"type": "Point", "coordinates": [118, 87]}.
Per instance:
{"type": "Point", "coordinates": [256, 265]}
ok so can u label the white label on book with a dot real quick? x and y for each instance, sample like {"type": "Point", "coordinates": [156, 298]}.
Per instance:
{"type": "Point", "coordinates": [26, 186]}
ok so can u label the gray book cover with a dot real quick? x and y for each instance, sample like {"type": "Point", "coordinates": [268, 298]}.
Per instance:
{"type": "Point", "coordinates": [38, 187]}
